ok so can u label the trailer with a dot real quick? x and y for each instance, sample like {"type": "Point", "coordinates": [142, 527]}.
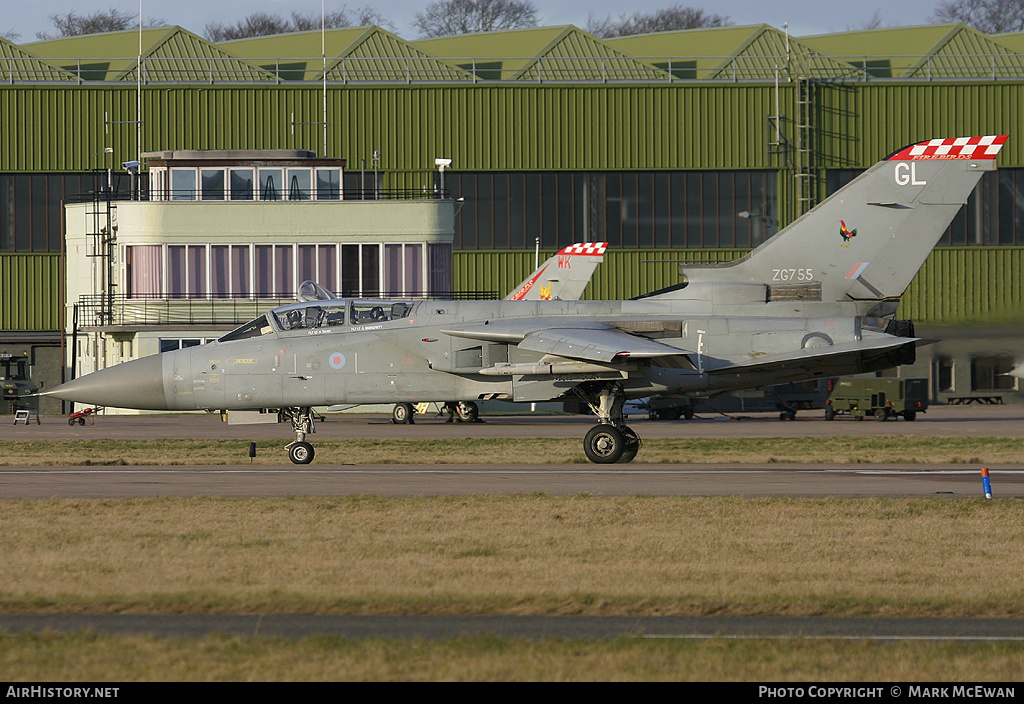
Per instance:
{"type": "Point", "coordinates": [80, 416]}
{"type": "Point", "coordinates": [881, 397]}
{"type": "Point", "coordinates": [784, 399]}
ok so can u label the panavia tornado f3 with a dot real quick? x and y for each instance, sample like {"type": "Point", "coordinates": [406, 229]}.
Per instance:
{"type": "Point", "coordinates": [817, 299]}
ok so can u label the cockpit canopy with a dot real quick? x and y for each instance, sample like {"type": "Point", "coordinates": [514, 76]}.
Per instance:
{"type": "Point", "coordinates": [319, 314]}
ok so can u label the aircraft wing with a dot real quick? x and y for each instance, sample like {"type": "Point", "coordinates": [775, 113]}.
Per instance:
{"type": "Point", "coordinates": [595, 344]}
{"type": "Point", "coordinates": [589, 340]}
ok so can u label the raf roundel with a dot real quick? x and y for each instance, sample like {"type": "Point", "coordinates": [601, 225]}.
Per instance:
{"type": "Point", "coordinates": [336, 360]}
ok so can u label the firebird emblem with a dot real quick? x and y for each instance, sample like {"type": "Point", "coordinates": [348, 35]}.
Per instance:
{"type": "Point", "coordinates": [846, 234]}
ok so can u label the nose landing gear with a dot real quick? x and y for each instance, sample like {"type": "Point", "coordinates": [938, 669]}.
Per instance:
{"type": "Point", "coordinates": [300, 451]}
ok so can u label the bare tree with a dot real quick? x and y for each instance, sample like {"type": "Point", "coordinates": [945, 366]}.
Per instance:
{"type": "Point", "coordinates": [664, 20]}
{"type": "Point", "coordinates": [989, 16]}
{"type": "Point", "coordinates": [360, 17]}
{"type": "Point", "coordinates": [258, 24]}
{"type": "Point", "coordinates": [447, 17]}
{"type": "Point", "coordinates": [10, 35]}
{"type": "Point", "coordinates": [261, 24]}
{"type": "Point", "coordinates": [73, 24]}
{"type": "Point", "coordinates": [875, 22]}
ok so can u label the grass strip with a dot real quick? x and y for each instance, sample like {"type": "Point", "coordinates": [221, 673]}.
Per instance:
{"type": "Point", "coordinates": [533, 554]}
{"type": "Point", "coordinates": [88, 657]}
{"type": "Point", "coordinates": [869, 450]}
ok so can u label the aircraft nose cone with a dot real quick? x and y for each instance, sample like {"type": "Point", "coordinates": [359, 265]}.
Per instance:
{"type": "Point", "coordinates": [135, 384]}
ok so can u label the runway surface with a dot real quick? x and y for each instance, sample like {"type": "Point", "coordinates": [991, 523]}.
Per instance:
{"type": "Point", "coordinates": [526, 627]}
{"type": "Point", "coordinates": [794, 480]}
{"type": "Point", "coordinates": [245, 480]}
{"type": "Point", "coordinates": [951, 421]}
{"type": "Point", "coordinates": [852, 481]}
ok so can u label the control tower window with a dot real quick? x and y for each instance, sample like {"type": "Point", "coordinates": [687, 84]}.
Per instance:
{"type": "Point", "coordinates": [299, 186]}
{"type": "Point", "coordinates": [241, 184]}
{"type": "Point", "coordinates": [213, 184]}
{"type": "Point", "coordinates": [183, 184]}
{"type": "Point", "coordinates": [271, 184]}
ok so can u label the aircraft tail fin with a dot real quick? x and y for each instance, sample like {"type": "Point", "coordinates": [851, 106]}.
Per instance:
{"type": "Point", "coordinates": [869, 239]}
{"type": "Point", "coordinates": [562, 277]}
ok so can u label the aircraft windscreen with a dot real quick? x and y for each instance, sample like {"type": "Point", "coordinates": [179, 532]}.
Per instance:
{"type": "Point", "coordinates": [254, 328]}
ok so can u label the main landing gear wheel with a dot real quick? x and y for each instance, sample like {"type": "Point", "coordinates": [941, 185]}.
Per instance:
{"type": "Point", "coordinates": [402, 414]}
{"type": "Point", "coordinates": [632, 445]}
{"type": "Point", "coordinates": [467, 412]}
{"type": "Point", "coordinates": [604, 444]}
{"type": "Point", "coordinates": [301, 453]}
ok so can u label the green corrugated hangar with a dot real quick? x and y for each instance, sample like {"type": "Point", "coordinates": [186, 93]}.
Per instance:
{"type": "Point", "coordinates": [673, 147]}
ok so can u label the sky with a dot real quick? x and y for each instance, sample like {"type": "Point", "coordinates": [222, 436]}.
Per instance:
{"type": "Point", "coordinates": [803, 17]}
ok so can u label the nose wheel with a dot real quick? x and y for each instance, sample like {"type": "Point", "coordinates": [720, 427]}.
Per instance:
{"type": "Point", "coordinates": [301, 452]}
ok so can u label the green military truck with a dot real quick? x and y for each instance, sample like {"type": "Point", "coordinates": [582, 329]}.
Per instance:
{"type": "Point", "coordinates": [881, 397]}
{"type": "Point", "coordinates": [15, 384]}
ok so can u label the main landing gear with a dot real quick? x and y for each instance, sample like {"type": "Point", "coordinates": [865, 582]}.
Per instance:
{"type": "Point", "coordinates": [467, 412]}
{"type": "Point", "coordinates": [300, 451]}
{"type": "Point", "coordinates": [612, 440]}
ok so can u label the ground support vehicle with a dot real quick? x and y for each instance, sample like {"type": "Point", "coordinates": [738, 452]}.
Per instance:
{"type": "Point", "coordinates": [882, 398]}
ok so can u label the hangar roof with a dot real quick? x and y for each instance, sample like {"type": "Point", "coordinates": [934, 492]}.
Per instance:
{"type": "Point", "coordinates": [951, 50]}
{"type": "Point", "coordinates": [559, 53]}
{"type": "Point", "coordinates": [748, 52]}
{"type": "Point", "coordinates": [170, 54]}
{"type": "Point", "coordinates": [562, 53]}
{"type": "Point", "coordinates": [1013, 40]}
{"type": "Point", "coordinates": [17, 64]}
{"type": "Point", "coordinates": [353, 54]}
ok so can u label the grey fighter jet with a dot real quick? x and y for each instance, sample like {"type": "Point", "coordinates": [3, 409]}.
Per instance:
{"type": "Point", "coordinates": [812, 301]}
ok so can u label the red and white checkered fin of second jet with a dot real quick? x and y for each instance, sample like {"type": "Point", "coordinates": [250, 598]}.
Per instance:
{"type": "Point", "coordinates": [564, 276]}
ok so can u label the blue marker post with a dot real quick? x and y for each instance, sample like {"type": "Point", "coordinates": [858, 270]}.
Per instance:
{"type": "Point", "coordinates": [985, 483]}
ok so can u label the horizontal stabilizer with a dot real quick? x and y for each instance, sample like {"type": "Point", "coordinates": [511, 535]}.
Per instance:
{"type": "Point", "coordinates": [814, 355]}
